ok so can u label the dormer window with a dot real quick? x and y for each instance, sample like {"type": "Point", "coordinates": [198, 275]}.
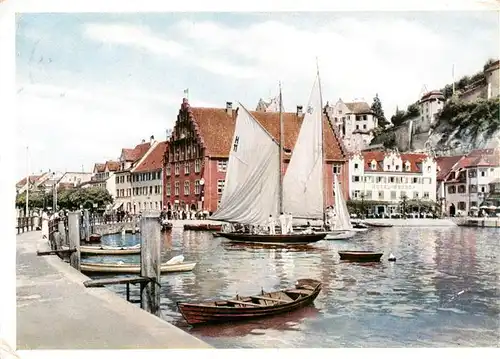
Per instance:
{"type": "Point", "coordinates": [356, 166]}
{"type": "Point", "coordinates": [407, 166]}
{"type": "Point", "coordinates": [374, 165]}
{"type": "Point", "coordinates": [388, 167]}
{"type": "Point", "coordinates": [397, 167]}
{"type": "Point", "coordinates": [428, 168]}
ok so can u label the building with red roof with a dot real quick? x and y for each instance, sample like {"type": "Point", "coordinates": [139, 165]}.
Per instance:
{"type": "Point", "coordinates": [469, 183]}
{"type": "Point", "coordinates": [198, 153]}
{"type": "Point", "coordinates": [384, 179]}
{"type": "Point", "coordinates": [146, 179]}
{"type": "Point", "coordinates": [129, 159]}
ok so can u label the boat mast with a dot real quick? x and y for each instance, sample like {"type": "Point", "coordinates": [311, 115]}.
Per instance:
{"type": "Point", "coordinates": [322, 143]}
{"type": "Point", "coordinates": [281, 155]}
{"type": "Point", "coordinates": [27, 183]}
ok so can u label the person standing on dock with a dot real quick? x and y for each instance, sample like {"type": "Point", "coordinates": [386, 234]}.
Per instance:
{"type": "Point", "coordinates": [272, 225]}
{"type": "Point", "coordinates": [282, 219]}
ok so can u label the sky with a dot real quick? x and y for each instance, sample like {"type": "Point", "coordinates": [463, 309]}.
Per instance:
{"type": "Point", "coordinates": [90, 84]}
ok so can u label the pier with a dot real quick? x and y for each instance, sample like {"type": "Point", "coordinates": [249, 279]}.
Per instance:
{"type": "Point", "coordinates": [52, 301]}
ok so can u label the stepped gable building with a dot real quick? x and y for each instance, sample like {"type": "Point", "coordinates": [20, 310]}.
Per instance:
{"type": "Point", "coordinates": [198, 153]}
{"type": "Point", "coordinates": [383, 179]}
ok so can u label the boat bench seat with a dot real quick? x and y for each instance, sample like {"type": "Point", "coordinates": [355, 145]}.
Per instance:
{"type": "Point", "coordinates": [271, 299]}
{"type": "Point", "coordinates": [245, 303]}
{"type": "Point", "coordinates": [298, 291]}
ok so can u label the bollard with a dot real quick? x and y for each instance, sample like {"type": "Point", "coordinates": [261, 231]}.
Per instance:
{"type": "Point", "coordinates": [61, 228]}
{"type": "Point", "coordinates": [150, 261]}
{"type": "Point", "coordinates": [86, 224]}
{"type": "Point", "coordinates": [74, 238]}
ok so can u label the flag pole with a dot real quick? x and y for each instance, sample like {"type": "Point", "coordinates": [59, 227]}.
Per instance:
{"type": "Point", "coordinates": [453, 78]}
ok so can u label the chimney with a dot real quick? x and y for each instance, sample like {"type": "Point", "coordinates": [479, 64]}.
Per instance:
{"type": "Point", "coordinates": [229, 108]}
{"type": "Point", "coordinates": [299, 110]}
{"type": "Point", "coordinates": [151, 140]}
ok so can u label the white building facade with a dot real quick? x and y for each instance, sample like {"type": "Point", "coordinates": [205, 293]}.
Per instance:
{"type": "Point", "coordinates": [354, 122]}
{"type": "Point", "coordinates": [385, 178]}
{"type": "Point", "coordinates": [468, 185]}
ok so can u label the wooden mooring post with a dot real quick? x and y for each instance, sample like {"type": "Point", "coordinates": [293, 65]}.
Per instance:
{"type": "Point", "coordinates": [74, 238]}
{"type": "Point", "coordinates": [61, 228]}
{"type": "Point", "coordinates": [150, 261]}
{"type": "Point", "coordinates": [86, 224]}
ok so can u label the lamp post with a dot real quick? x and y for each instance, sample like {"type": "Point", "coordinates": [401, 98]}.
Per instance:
{"type": "Point", "coordinates": [202, 193]}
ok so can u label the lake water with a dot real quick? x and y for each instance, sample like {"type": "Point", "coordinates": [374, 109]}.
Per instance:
{"type": "Point", "coordinates": [443, 290]}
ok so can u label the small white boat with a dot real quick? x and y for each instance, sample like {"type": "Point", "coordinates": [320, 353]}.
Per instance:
{"type": "Point", "coordinates": [133, 268]}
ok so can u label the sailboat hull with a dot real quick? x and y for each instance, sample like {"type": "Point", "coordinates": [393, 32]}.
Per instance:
{"type": "Point", "coordinates": [299, 238]}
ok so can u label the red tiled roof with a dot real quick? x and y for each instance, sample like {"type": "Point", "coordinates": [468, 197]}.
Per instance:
{"type": "Point", "coordinates": [481, 157]}
{"type": "Point", "coordinates": [445, 165]}
{"type": "Point", "coordinates": [135, 154]}
{"type": "Point", "coordinates": [99, 167]}
{"type": "Point", "coordinates": [113, 166]}
{"type": "Point", "coordinates": [216, 128]}
{"type": "Point", "coordinates": [432, 94]}
{"type": "Point", "coordinates": [154, 160]}
{"type": "Point", "coordinates": [378, 156]}
{"type": "Point", "coordinates": [33, 179]}
{"type": "Point", "coordinates": [358, 107]}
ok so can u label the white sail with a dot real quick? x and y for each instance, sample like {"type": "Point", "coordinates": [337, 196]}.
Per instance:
{"type": "Point", "coordinates": [251, 189]}
{"type": "Point", "coordinates": [303, 180]}
{"type": "Point", "coordinates": [342, 219]}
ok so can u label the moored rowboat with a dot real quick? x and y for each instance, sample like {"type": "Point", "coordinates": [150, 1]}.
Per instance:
{"type": "Point", "coordinates": [381, 225]}
{"type": "Point", "coordinates": [360, 256]}
{"type": "Point", "coordinates": [133, 268]}
{"type": "Point", "coordinates": [254, 306]}
{"type": "Point", "coordinates": [108, 251]}
{"type": "Point", "coordinates": [294, 238]}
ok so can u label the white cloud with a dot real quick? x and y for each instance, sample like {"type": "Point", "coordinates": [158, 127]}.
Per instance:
{"type": "Point", "coordinates": [393, 57]}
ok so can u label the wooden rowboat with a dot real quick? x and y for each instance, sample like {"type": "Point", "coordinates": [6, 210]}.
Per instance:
{"type": "Point", "coordinates": [294, 238]}
{"type": "Point", "coordinates": [108, 251]}
{"type": "Point", "coordinates": [360, 256]}
{"type": "Point", "coordinates": [94, 237]}
{"type": "Point", "coordinates": [203, 227]}
{"type": "Point", "coordinates": [105, 268]}
{"type": "Point", "coordinates": [251, 307]}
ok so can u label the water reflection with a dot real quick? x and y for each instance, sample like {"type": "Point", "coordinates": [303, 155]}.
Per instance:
{"type": "Point", "coordinates": [441, 291]}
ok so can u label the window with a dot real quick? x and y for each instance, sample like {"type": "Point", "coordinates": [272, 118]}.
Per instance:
{"type": "Point", "coordinates": [388, 167]}
{"type": "Point", "coordinates": [374, 165]}
{"type": "Point", "coordinates": [472, 188]}
{"type": "Point", "coordinates": [355, 178]}
{"type": "Point", "coordinates": [483, 189]}
{"type": "Point", "coordinates": [461, 189]}
{"type": "Point", "coordinates": [426, 195]}
{"type": "Point", "coordinates": [356, 166]}
{"type": "Point", "coordinates": [408, 166]}
{"type": "Point", "coordinates": [176, 189]}
{"type": "Point", "coordinates": [461, 206]}
{"type": "Point", "coordinates": [356, 194]}
{"type": "Point", "coordinates": [428, 168]}
{"type": "Point", "coordinates": [472, 173]}
{"type": "Point", "coordinates": [364, 127]}
{"type": "Point", "coordinates": [473, 204]}
{"type": "Point", "coordinates": [397, 167]}
{"type": "Point", "coordinates": [368, 195]}
{"type": "Point", "coordinates": [391, 179]}
{"type": "Point", "coordinates": [394, 195]}
{"type": "Point", "coordinates": [337, 168]}
{"type": "Point", "coordinates": [197, 166]}
{"type": "Point", "coordinates": [186, 167]}
{"type": "Point", "coordinates": [451, 189]}
{"type": "Point", "coordinates": [220, 186]}
{"type": "Point", "coordinates": [483, 174]}
{"type": "Point", "coordinates": [415, 179]}
{"type": "Point", "coordinates": [197, 187]}
{"type": "Point", "coordinates": [357, 127]}
{"type": "Point", "coordinates": [379, 179]}
{"type": "Point", "coordinates": [177, 167]}
{"type": "Point", "coordinates": [380, 194]}
{"type": "Point", "coordinates": [221, 165]}
{"type": "Point", "coordinates": [150, 190]}
{"type": "Point", "coordinates": [186, 188]}
{"type": "Point", "coordinates": [168, 189]}
{"type": "Point", "coordinates": [415, 195]}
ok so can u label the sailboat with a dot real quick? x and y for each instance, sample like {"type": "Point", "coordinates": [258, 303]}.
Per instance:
{"type": "Point", "coordinates": [254, 182]}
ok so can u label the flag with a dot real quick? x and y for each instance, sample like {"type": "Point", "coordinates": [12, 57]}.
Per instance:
{"type": "Point", "coordinates": [186, 93]}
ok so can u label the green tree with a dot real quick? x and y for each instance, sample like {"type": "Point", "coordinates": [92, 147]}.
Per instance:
{"type": "Point", "coordinates": [412, 111]}
{"type": "Point", "coordinates": [398, 118]}
{"type": "Point", "coordinates": [379, 112]}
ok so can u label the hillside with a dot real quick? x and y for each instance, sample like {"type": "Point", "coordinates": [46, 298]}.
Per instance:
{"type": "Point", "coordinates": [467, 121]}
